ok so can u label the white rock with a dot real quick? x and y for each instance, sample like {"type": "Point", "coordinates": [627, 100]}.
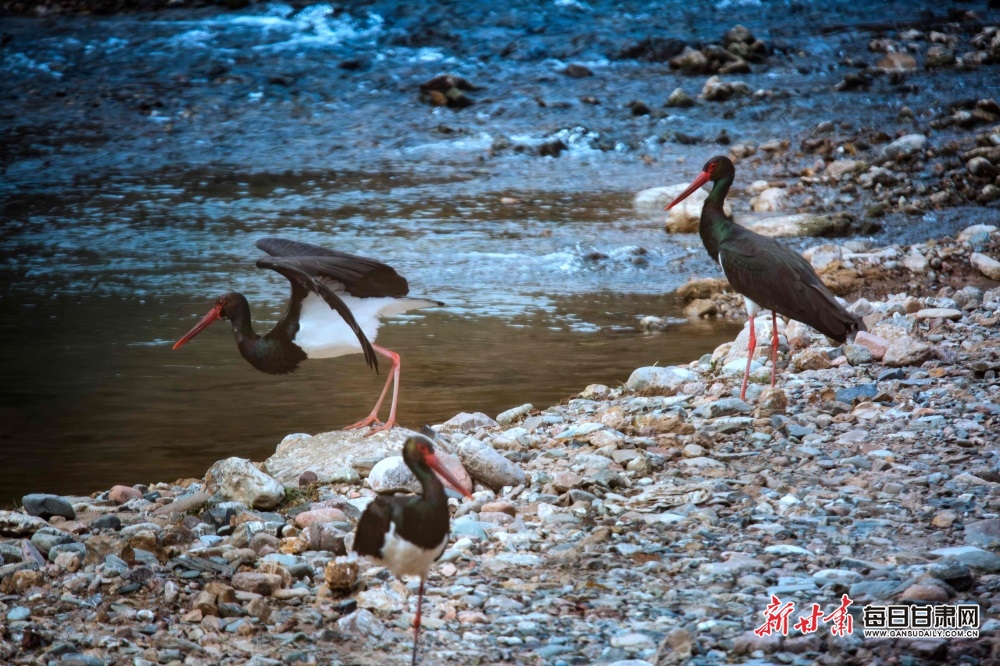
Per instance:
{"type": "Point", "coordinates": [824, 257]}
{"type": "Point", "coordinates": [762, 327]}
{"type": "Point", "coordinates": [392, 475]}
{"type": "Point", "coordinates": [988, 266]}
{"type": "Point", "coordinates": [654, 376]}
{"type": "Point", "coordinates": [787, 226]}
{"type": "Point", "coordinates": [682, 218]}
{"type": "Point", "coordinates": [361, 622]}
{"type": "Point", "coordinates": [771, 200]}
{"type": "Point", "coordinates": [239, 480]}
{"type": "Point", "coordinates": [903, 146]}
{"type": "Point", "coordinates": [17, 524]}
{"type": "Point", "coordinates": [844, 576]}
{"type": "Point", "coordinates": [379, 600]}
{"type": "Point", "coordinates": [788, 549]}
{"type": "Point", "coordinates": [633, 642]}
{"type": "Point", "coordinates": [328, 453]}
{"type": "Point", "coordinates": [974, 232]}
{"type": "Point", "coordinates": [915, 262]}
{"type": "Point", "coordinates": [467, 422]}
{"type": "Point", "coordinates": [738, 367]}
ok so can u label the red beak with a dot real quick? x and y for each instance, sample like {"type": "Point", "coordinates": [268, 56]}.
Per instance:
{"type": "Point", "coordinates": [443, 472]}
{"type": "Point", "coordinates": [213, 315]}
{"type": "Point", "coordinates": [698, 182]}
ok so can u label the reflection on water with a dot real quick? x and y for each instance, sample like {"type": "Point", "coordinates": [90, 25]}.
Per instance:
{"type": "Point", "coordinates": [93, 395]}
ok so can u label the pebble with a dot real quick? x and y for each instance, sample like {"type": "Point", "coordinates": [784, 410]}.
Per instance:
{"type": "Point", "coordinates": [123, 494]}
{"type": "Point", "coordinates": [45, 506]}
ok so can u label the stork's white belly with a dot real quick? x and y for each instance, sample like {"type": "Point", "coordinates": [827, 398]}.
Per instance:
{"type": "Point", "coordinates": [324, 334]}
{"type": "Point", "coordinates": [405, 559]}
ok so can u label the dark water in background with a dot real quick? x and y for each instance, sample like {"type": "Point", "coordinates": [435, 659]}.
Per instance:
{"type": "Point", "coordinates": [142, 156]}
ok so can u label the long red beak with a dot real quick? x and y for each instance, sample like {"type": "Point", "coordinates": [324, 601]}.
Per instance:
{"type": "Point", "coordinates": [213, 315]}
{"type": "Point", "coordinates": [443, 472]}
{"type": "Point", "coordinates": [698, 182]}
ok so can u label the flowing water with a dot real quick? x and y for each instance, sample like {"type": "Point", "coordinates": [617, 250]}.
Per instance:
{"type": "Point", "coordinates": [142, 156]}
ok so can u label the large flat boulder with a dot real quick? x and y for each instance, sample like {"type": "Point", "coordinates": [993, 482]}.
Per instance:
{"type": "Point", "coordinates": [329, 453]}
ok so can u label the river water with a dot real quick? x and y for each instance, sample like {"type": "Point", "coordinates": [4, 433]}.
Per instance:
{"type": "Point", "coordinates": [143, 155]}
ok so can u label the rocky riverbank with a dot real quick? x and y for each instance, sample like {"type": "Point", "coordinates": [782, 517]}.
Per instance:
{"type": "Point", "coordinates": [649, 523]}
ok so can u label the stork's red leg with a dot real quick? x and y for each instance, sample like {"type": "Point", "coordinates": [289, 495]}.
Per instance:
{"type": "Point", "coordinates": [774, 344]}
{"type": "Point", "coordinates": [416, 621]}
{"type": "Point", "coordinates": [393, 378]}
{"type": "Point", "coordinates": [753, 346]}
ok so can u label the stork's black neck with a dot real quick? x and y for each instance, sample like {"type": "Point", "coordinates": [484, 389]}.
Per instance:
{"type": "Point", "coordinates": [274, 352]}
{"type": "Point", "coordinates": [425, 520]}
{"type": "Point", "coordinates": [715, 224]}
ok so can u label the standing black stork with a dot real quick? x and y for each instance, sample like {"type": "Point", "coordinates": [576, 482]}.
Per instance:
{"type": "Point", "coordinates": [408, 533]}
{"type": "Point", "coordinates": [769, 275]}
{"type": "Point", "coordinates": [335, 306]}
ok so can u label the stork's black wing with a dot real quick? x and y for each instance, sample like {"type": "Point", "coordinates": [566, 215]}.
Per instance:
{"type": "Point", "coordinates": [779, 279]}
{"type": "Point", "coordinates": [374, 525]}
{"type": "Point", "coordinates": [361, 277]}
{"type": "Point", "coordinates": [303, 279]}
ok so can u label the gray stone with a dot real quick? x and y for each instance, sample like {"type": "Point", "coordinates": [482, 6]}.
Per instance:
{"type": "Point", "coordinates": [874, 589]}
{"type": "Point", "coordinates": [983, 533]}
{"type": "Point", "coordinates": [977, 558]}
{"type": "Point", "coordinates": [487, 466]}
{"type": "Point", "coordinates": [467, 526]}
{"type": "Point", "coordinates": [857, 355]}
{"type": "Point", "coordinates": [17, 524]}
{"type": "Point", "coordinates": [858, 393]}
{"type": "Point", "coordinates": [969, 297]}
{"type": "Point", "coordinates": [18, 614]}
{"type": "Point", "coordinates": [722, 407]}
{"type": "Point", "coordinates": [47, 537]}
{"type": "Point", "coordinates": [45, 506]}
{"type": "Point", "coordinates": [466, 422]}
{"type": "Point", "coordinates": [74, 547]}
{"type": "Point", "coordinates": [239, 480]}
{"type": "Point", "coordinates": [107, 522]}
{"type": "Point", "coordinates": [841, 576]}
{"type": "Point", "coordinates": [328, 453]}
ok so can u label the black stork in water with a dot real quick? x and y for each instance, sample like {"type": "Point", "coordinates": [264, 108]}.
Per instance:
{"type": "Point", "coordinates": [408, 533]}
{"type": "Point", "coordinates": [769, 275]}
{"type": "Point", "coordinates": [335, 308]}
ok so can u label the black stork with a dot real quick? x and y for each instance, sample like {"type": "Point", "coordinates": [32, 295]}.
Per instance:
{"type": "Point", "coordinates": [768, 274]}
{"type": "Point", "coordinates": [335, 308]}
{"type": "Point", "coordinates": [408, 533]}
